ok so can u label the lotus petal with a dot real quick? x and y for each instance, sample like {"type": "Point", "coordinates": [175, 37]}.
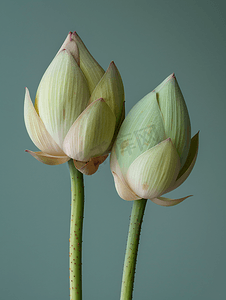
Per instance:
{"type": "Point", "coordinates": [89, 66]}
{"type": "Point", "coordinates": [91, 133]}
{"type": "Point", "coordinates": [167, 201]}
{"type": "Point", "coordinates": [141, 130]}
{"type": "Point", "coordinates": [175, 115]}
{"type": "Point", "coordinates": [62, 95]}
{"type": "Point", "coordinates": [111, 89]}
{"type": "Point", "coordinates": [37, 131]}
{"type": "Point", "coordinates": [70, 45]}
{"type": "Point", "coordinates": [72, 48]}
{"type": "Point", "coordinates": [49, 159]}
{"type": "Point", "coordinates": [189, 164]}
{"type": "Point", "coordinates": [154, 171]}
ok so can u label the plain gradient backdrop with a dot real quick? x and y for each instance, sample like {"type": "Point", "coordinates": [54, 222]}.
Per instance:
{"type": "Point", "coordinates": [182, 248]}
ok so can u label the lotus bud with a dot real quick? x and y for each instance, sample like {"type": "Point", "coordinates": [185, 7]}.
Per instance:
{"type": "Point", "coordinates": [78, 109]}
{"type": "Point", "coordinates": [153, 153]}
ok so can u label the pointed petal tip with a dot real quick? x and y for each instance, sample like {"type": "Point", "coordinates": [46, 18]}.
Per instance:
{"type": "Point", "coordinates": [112, 65]}
{"type": "Point", "coordinates": [71, 48]}
{"type": "Point", "coordinates": [195, 138]}
{"type": "Point", "coordinates": [31, 152]}
{"type": "Point", "coordinates": [74, 33]}
{"type": "Point", "coordinates": [26, 91]}
{"type": "Point", "coordinates": [69, 38]}
{"type": "Point", "coordinates": [66, 46]}
{"type": "Point", "coordinates": [100, 99]}
{"type": "Point", "coordinates": [165, 142]}
{"type": "Point", "coordinates": [170, 77]}
{"type": "Point", "coordinates": [76, 37]}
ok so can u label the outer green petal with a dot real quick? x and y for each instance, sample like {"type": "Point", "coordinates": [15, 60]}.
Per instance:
{"type": "Point", "coordinates": [175, 115]}
{"type": "Point", "coordinates": [89, 66]}
{"type": "Point", "coordinates": [62, 95]}
{"type": "Point", "coordinates": [49, 159]}
{"type": "Point", "coordinates": [154, 171]}
{"type": "Point", "coordinates": [36, 129]}
{"type": "Point", "coordinates": [91, 133]}
{"type": "Point", "coordinates": [111, 89]}
{"type": "Point", "coordinates": [167, 201]}
{"type": "Point", "coordinates": [141, 130]}
{"type": "Point", "coordinates": [189, 164]}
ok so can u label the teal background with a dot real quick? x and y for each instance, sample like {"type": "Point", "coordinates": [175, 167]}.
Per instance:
{"type": "Point", "coordinates": [182, 248]}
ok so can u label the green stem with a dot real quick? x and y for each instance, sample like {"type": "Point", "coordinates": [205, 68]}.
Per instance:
{"type": "Point", "coordinates": [132, 249]}
{"type": "Point", "coordinates": [75, 250]}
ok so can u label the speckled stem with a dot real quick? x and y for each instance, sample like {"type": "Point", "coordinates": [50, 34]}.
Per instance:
{"type": "Point", "coordinates": [132, 249]}
{"type": "Point", "coordinates": [75, 247]}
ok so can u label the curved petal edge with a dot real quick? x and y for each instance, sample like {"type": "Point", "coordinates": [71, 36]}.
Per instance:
{"type": "Point", "coordinates": [189, 164]}
{"type": "Point", "coordinates": [37, 130]}
{"type": "Point", "coordinates": [123, 189]}
{"type": "Point", "coordinates": [48, 159]}
{"type": "Point", "coordinates": [163, 201]}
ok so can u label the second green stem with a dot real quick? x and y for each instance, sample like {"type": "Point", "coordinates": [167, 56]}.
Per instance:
{"type": "Point", "coordinates": [132, 249]}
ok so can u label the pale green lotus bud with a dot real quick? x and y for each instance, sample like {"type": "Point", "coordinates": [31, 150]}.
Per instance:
{"type": "Point", "coordinates": [78, 109]}
{"type": "Point", "coordinates": [154, 153]}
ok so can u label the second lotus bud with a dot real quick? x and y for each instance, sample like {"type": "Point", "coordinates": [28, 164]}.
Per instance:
{"type": "Point", "coordinates": [154, 153]}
